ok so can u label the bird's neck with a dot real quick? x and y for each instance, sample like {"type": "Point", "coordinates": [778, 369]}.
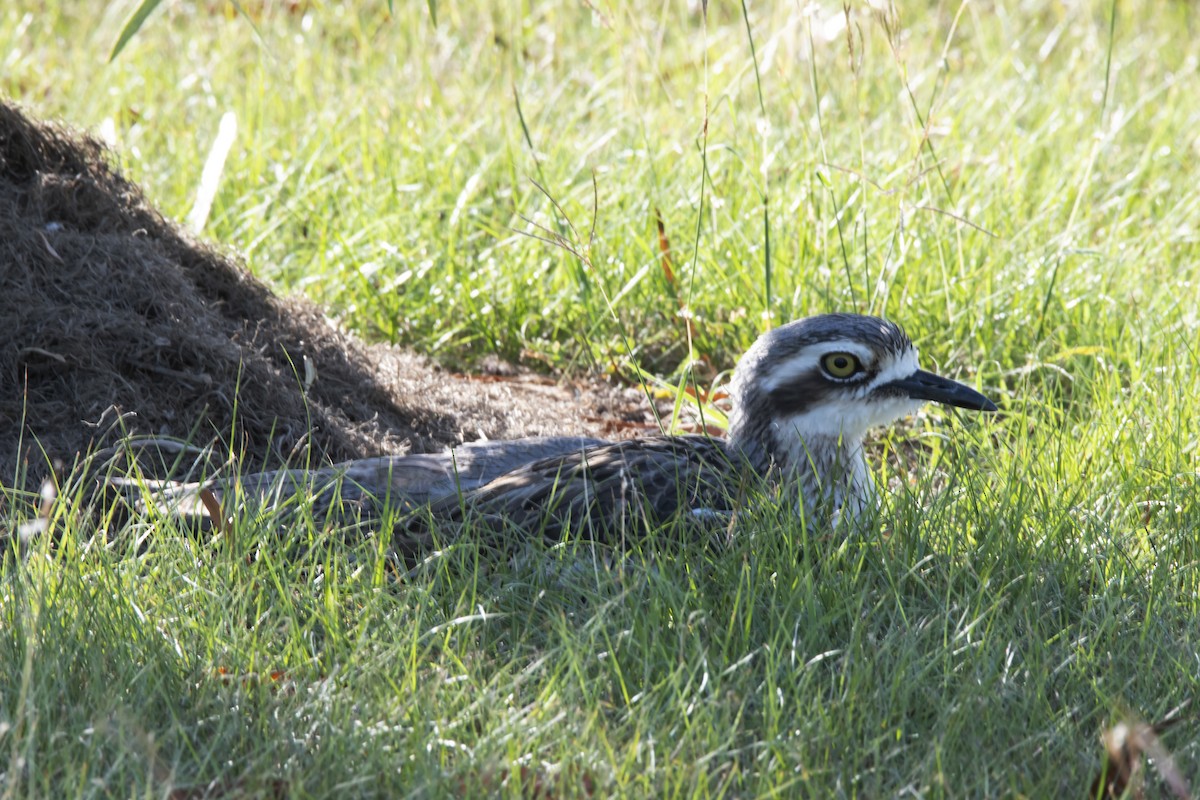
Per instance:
{"type": "Point", "coordinates": [830, 471]}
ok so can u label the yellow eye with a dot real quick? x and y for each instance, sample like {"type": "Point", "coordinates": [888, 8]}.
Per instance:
{"type": "Point", "coordinates": [840, 365]}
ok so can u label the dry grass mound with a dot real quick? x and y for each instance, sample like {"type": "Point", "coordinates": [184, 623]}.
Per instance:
{"type": "Point", "coordinates": [117, 322]}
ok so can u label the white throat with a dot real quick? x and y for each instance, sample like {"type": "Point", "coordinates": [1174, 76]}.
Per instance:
{"type": "Point", "coordinates": [821, 450]}
{"type": "Point", "coordinates": [830, 471]}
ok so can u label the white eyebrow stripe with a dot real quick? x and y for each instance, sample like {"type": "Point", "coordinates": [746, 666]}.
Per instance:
{"type": "Point", "coordinates": [903, 366]}
{"type": "Point", "coordinates": [806, 359]}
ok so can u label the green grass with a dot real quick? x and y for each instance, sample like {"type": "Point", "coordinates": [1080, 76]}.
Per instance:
{"type": "Point", "coordinates": [1039, 577]}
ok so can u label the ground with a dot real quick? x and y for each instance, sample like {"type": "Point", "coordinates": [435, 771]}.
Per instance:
{"type": "Point", "coordinates": [589, 193]}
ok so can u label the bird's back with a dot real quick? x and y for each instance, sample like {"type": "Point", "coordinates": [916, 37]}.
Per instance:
{"type": "Point", "coordinates": [602, 493]}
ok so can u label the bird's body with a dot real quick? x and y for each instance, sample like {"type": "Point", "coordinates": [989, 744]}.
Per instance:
{"type": "Point", "coordinates": [603, 492]}
{"type": "Point", "coordinates": [803, 397]}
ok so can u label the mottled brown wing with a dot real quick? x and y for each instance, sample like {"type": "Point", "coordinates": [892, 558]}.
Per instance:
{"type": "Point", "coordinates": [602, 493]}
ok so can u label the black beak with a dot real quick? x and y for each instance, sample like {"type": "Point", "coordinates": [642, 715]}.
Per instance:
{"type": "Point", "coordinates": [922, 385]}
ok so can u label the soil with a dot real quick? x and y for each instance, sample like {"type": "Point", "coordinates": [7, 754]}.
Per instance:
{"type": "Point", "coordinates": [121, 324]}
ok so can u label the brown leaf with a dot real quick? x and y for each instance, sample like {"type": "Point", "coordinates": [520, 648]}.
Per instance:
{"type": "Point", "coordinates": [213, 507]}
{"type": "Point", "coordinates": [664, 248]}
{"type": "Point", "coordinates": [1125, 743]}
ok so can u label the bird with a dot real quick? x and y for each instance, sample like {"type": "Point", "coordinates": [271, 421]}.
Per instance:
{"type": "Point", "coordinates": [803, 397]}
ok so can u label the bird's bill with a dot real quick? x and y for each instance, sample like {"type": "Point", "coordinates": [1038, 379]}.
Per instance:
{"type": "Point", "coordinates": [922, 385]}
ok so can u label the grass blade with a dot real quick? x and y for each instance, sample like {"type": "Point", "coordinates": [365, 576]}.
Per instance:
{"type": "Point", "coordinates": [133, 24]}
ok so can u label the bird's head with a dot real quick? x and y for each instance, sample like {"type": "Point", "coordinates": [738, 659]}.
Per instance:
{"type": "Point", "coordinates": [831, 377]}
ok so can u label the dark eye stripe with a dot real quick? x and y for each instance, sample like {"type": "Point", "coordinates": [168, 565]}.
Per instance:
{"type": "Point", "coordinates": [801, 394]}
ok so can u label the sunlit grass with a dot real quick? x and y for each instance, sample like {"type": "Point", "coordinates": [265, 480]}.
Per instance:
{"type": "Point", "coordinates": [1012, 183]}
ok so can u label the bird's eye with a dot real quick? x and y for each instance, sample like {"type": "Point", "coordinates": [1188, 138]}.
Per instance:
{"type": "Point", "coordinates": [841, 365]}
